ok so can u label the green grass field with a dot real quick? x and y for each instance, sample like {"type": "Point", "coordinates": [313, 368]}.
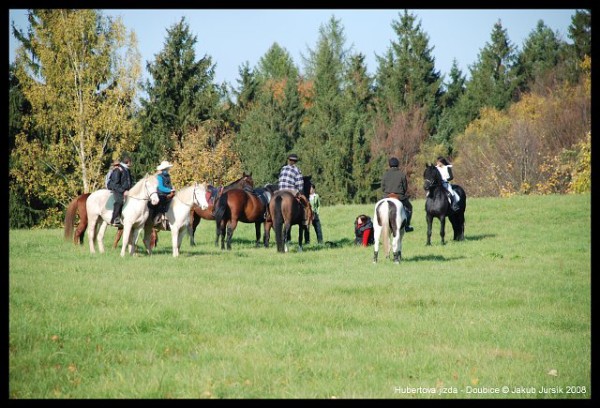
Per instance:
{"type": "Point", "coordinates": [504, 314]}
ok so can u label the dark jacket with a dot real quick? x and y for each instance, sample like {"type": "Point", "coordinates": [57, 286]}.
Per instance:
{"type": "Point", "coordinates": [394, 181]}
{"type": "Point", "coordinates": [120, 180]}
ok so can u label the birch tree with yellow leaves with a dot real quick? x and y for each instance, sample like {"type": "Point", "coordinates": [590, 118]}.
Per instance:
{"type": "Point", "coordinates": [80, 71]}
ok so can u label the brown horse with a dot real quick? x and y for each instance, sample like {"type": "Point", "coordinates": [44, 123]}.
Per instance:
{"type": "Point", "coordinates": [287, 210]}
{"type": "Point", "coordinates": [241, 205]}
{"type": "Point", "coordinates": [76, 208]}
{"type": "Point", "coordinates": [197, 214]}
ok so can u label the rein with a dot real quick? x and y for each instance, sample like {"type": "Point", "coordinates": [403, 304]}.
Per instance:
{"type": "Point", "coordinates": [194, 198]}
{"type": "Point", "coordinates": [149, 194]}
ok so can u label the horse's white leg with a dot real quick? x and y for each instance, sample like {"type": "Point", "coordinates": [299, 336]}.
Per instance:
{"type": "Point", "coordinates": [134, 239]}
{"type": "Point", "coordinates": [376, 233]}
{"type": "Point", "coordinates": [92, 233]}
{"type": "Point", "coordinates": [100, 238]}
{"type": "Point", "coordinates": [182, 231]}
{"type": "Point", "coordinates": [125, 237]}
{"type": "Point", "coordinates": [174, 240]}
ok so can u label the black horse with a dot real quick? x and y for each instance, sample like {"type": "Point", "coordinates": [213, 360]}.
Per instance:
{"type": "Point", "coordinates": [437, 205]}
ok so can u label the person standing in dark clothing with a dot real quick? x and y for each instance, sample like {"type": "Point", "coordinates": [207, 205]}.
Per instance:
{"type": "Point", "coordinates": [395, 184]}
{"type": "Point", "coordinates": [119, 183]}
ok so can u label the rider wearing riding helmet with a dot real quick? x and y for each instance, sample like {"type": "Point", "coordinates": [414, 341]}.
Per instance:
{"type": "Point", "coordinates": [395, 185]}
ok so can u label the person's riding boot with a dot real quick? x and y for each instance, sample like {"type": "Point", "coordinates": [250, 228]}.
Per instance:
{"type": "Point", "coordinates": [408, 227]}
{"type": "Point", "coordinates": [453, 202]}
{"type": "Point", "coordinates": [116, 215]}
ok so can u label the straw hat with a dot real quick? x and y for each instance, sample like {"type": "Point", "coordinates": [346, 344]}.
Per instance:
{"type": "Point", "coordinates": [164, 165]}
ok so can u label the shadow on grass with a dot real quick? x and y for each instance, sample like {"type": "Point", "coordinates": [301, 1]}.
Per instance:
{"type": "Point", "coordinates": [431, 257]}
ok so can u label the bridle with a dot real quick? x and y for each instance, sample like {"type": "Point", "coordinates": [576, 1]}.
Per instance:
{"type": "Point", "coordinates": [148, 192]}
{"type": "Point", "coordinates": [195, 199]}
{"type": "Point", "coordinates": [429, 183]}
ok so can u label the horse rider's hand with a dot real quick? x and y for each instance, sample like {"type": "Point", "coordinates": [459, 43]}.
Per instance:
{"type": "Point", "coordinates": [171, 194]}
{"type": "Point", "coordinates": [125, 193]}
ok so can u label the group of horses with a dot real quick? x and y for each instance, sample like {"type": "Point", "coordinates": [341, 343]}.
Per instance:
{"type": "Point", "coordinates": [227, 206]}
{"type": "Point", "coordinates": [241, 202]}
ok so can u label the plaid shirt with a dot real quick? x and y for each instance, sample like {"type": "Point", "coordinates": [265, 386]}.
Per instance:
{"type": "Point", "coordinates": [290, 178]}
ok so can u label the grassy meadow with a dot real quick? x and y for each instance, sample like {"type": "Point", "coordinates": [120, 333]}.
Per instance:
{"type": "Point", "coordinates": [505, 314]}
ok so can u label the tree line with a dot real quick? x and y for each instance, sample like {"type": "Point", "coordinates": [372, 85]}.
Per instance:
{"type": "Point", "coordinates": [520, 123]}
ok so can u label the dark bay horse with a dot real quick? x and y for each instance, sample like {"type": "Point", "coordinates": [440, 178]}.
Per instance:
{"type": "Point", "coordinates": [241, 205]}
{"type": "Point", "coordinates": [437, 205]}
{"type": "Point", "coordinates": [286, 210]}
{"type": "Point", "coordinates": [197, 214]}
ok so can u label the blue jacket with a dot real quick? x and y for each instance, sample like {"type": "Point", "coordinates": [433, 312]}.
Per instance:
{"type": "Point", "coordinates": [164, 182]}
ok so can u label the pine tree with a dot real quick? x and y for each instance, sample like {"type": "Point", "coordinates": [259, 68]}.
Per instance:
{"type": "Point", "coordinates": [541, 53]}
{"type": "Point", "coordinates": [180, 96]}
{"type": "Point", "coordinates": [448, 124]}
{"type": "Point", "coordinates": [272, 111]}
{"type": "Point", "coordinates": [357, 125]}
{"type": "Point", "coordinates": [406, 75]}
{"type": "Point", "coordinates": [324, 148]}
{"type": "Point", "coordinates": [493, 79]}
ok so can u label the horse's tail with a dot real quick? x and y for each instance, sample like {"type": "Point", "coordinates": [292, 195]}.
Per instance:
{"type": "Point", "coordinates": [70, 219]}
{"type": "Point", "coordinates": [393, 217]}
{"type": "Point", "coordinates": [383, 221]}
{"type": "Point", "coordinates": [277, 218]}
{"type": "Point", "coordinates": [220, 207]}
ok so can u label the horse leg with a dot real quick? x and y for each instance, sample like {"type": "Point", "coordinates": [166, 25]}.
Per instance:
{"type": "Point", "coordinates": [286, 232]}
{"type": "Point", "coordinates": [267, 235]}
{"type": "Point", "coordinates": [149, 236]}
{"type": "Point", "coordinates": [443, 229]}
{"type": "Point", "coordinates": [92, 235]}
{"type": "Point", "coordinates": [376, 233]}
{"type": "Point", "coordinates": [192, 225]}
{"type": "Point", "coordinates": [125, 238]}
{"type": "Point", "coordinates": [118, 237]}
{"type": "Point", "coordinates": [397, 246]}
{"type": "Point", "coordinates": [231, 226]}
{"type": "Point", "coordinates": [257, 228]}
{"type": "Point", "coordinates": [80, 231]}
{"type": "Point", "coordinates": [429, 219]}
{"type": "Point", "coordinates": [300, 236]}
{"type": "Point", "coordinates": [100, 237]}
{"type": "Point", "coordinates": [217, 233]}
{"type": "Point", "coordinates": [174, 241]}
{"type": "Point", "coordinates": [180, 236]}
{"type": "Point", "coordinates": [134, 238]}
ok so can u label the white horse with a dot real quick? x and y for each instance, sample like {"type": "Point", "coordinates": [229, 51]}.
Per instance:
{"type": "Point", "coordinates": [389, 219]}
{"type": "Point", "coordinates": [178, 214]}
{"type": "Point", "coordinates": [99, 206]}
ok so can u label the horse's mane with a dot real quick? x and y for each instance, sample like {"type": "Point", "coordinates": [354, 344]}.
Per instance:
{"type": "Point", "coordinates": [138, 185]}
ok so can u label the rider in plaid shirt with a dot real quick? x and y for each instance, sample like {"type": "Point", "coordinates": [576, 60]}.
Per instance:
{"type": "Point", "coordinates": [290, 177]}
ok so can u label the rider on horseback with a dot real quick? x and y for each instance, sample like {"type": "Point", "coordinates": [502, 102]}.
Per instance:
{"type": "Point", "coordinates": [119, 183]}
{"type": "Point", "coordinates": [165, 193]}
{"type": "Point", "coordinates": [290, 178]}
{"type": "Point", "coordinates": [395, 185]}
{"type": "Point", "coordinates": [445, 170]}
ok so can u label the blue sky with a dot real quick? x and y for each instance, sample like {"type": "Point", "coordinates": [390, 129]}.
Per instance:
{"type": "Point", "coordinates": [231, 37]}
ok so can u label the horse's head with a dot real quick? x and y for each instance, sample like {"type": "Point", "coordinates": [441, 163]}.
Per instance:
{"type": "Point", "coordinates": [145, 189]}
{"type": "Point", "coordinates": [431, 177]}
{"type": "Point", "coordinates": [307, 183]}
{"type": "Point", "coordinates": [201, 195]}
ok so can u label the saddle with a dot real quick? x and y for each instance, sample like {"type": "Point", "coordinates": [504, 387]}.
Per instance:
{"type": "Point", "coordinates": [392, 195]}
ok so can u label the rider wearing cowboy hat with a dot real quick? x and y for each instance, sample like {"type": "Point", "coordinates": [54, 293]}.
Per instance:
{"type": "Point", "coordinates": [165, 190]}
